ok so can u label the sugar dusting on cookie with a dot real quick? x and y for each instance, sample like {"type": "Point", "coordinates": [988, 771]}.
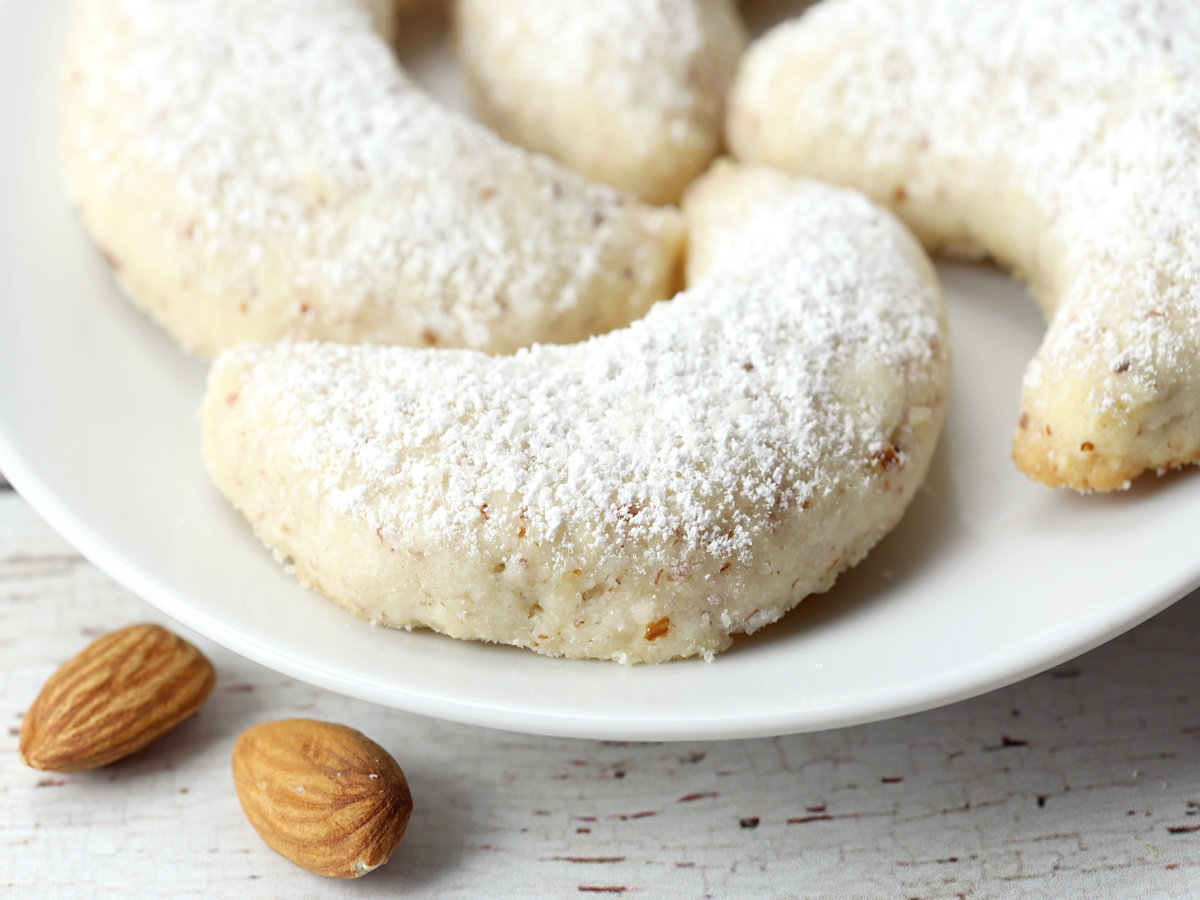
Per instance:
{"type": "Point", "coordinates": [597, 440]}
{"type": "Point", "coordinates": [1060, 135]}
{"type": "Point", "coordinates": [629, 92]}
{"type": "Point", "coordinates": [273, 160]}
{"type": "Point", "coordinates": [639, 496]}
{"type": "Point", "coordinates": [629, 32]}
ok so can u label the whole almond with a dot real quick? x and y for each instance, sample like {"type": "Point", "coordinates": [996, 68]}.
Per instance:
{"type": "Point", "coordinates": [125, 690]}
{"type": "Point", "coordinates": [324, 796]}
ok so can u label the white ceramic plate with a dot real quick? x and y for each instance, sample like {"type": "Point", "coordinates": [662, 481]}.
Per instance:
{"type": "Point", "coordinates": [988, 579]}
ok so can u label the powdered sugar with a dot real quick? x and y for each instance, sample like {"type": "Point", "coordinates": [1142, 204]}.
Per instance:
{"type": "Point", "coordinates": [293, 163]}
{"type": "Point", "coordinates": [699, 426]}
{"type": "Point", "coordinates": [1058, 134]}
{"type": "Point", "coordinates": [610, 46]}
{"type": "Point", "coordinates": [629, 92]}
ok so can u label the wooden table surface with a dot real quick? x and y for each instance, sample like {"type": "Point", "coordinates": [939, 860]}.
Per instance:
{"type": "Point", "coordinates": [1082, 781]}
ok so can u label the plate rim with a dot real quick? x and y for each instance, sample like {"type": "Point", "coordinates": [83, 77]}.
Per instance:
{"type": "Point", "coordinates": [1037, 655]}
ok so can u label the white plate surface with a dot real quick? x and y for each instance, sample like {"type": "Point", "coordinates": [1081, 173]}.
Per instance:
{"type": "Point", "coordinates": [988, 579]}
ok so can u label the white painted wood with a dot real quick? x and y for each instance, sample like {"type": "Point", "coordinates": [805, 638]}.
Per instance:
{"type": "Point", "coordinates": [1083, 781]}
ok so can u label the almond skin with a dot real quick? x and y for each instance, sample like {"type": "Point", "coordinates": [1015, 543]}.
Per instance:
{"type": "Point", "coordinates": [324, 796]}
{"type": "Point", "coordinates": [122, 692]}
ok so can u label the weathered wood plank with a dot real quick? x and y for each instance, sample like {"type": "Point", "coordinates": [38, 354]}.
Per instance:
{"type": "Point", "coordinates": [1082, 781]}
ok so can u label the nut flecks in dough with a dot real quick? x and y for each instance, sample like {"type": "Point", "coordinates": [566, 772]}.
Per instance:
{"type": "Point", "coordinates": [640, 496]}
{"type": "Point", "coordinates": [1057, 136]}
{"type": "Point", "coordinates": [265, 169]}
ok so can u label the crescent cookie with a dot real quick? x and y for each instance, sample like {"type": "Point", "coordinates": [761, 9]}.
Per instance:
{"type": "Point", "coordinates": [265, 169]}
{"type": "Point", "coordinates": [629, 92]}
{"type": "Point", "coordinates": [1057, 136]}
{"type": "Point", "coordinates": [640, 496]}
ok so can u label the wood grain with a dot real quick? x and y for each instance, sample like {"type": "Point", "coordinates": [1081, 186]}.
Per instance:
{"type": "Point", "coordinates": [1079, 782]}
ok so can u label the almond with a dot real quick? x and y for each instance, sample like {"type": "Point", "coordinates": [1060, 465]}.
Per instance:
{"type": "Point", "coordinates": [122, 692]}
{"type": "Point", "coordinates": [324, 796]}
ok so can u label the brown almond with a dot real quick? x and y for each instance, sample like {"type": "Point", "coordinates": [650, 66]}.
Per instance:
{"type": "Point", "coordinates": [324, 796]}
{"type": "Point", "coordinates": [125, 690]}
